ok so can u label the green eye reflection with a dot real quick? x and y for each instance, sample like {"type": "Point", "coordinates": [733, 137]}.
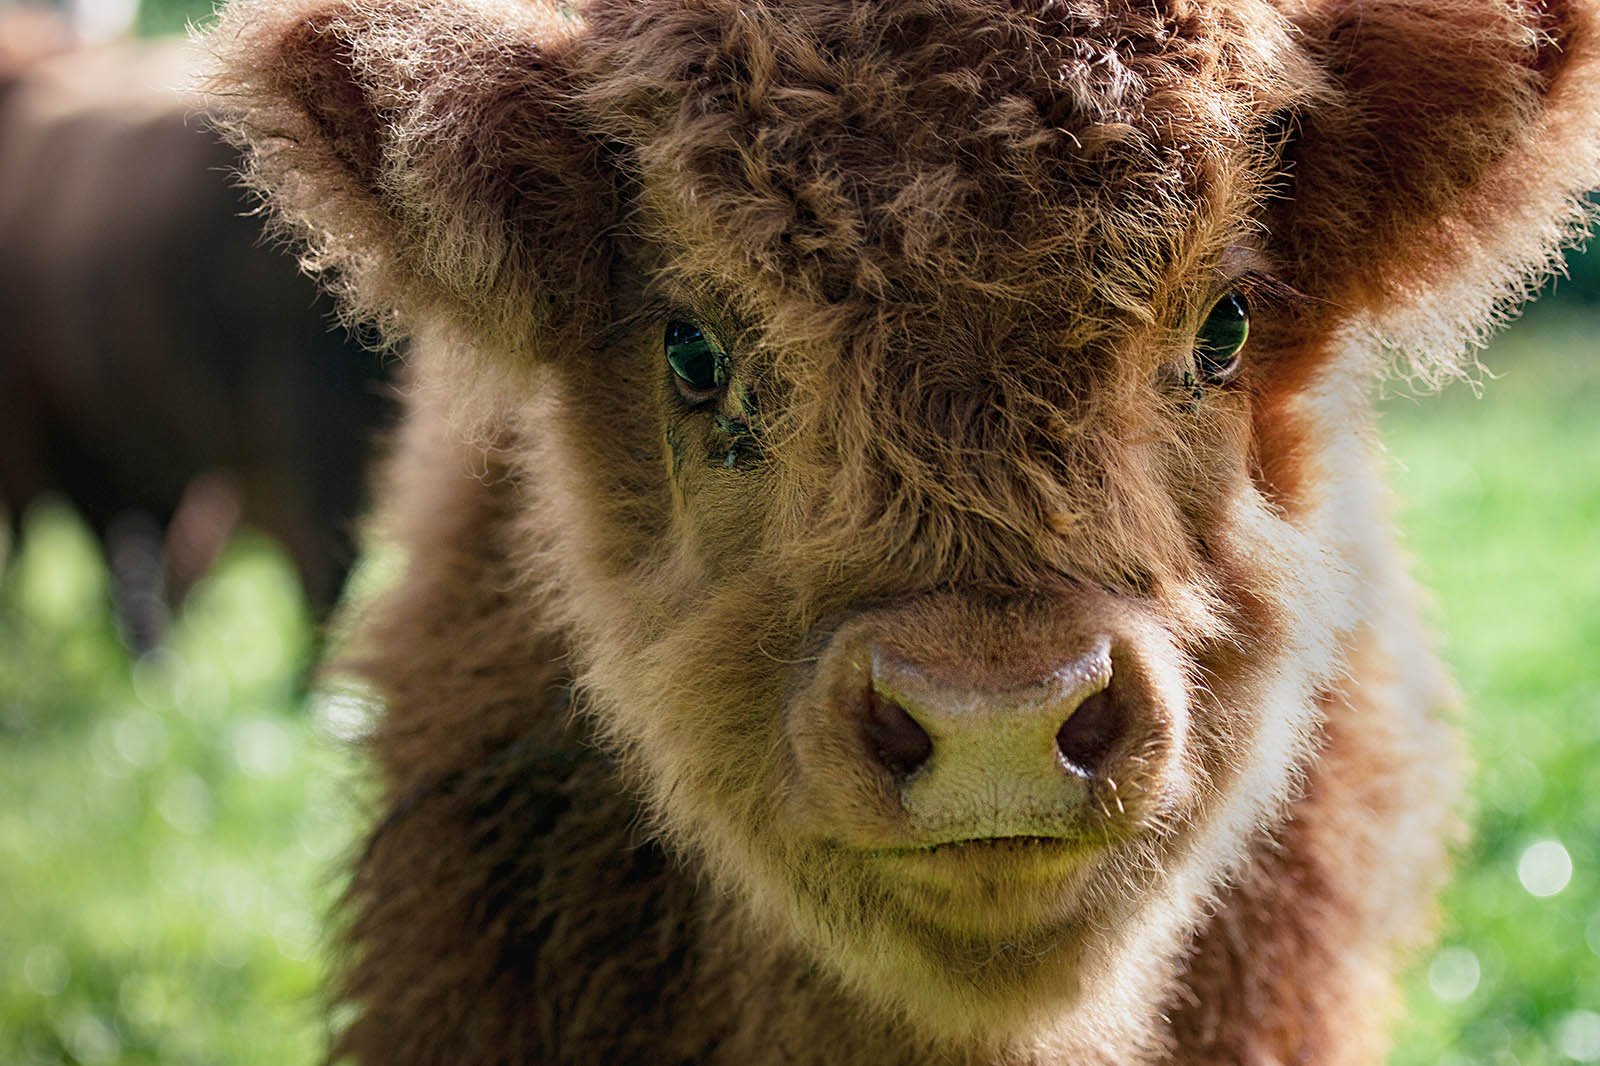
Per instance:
{"type": "Point", "coordinates": [1221, 337]}
{"type": "Point", "coordinates": [697, 360]}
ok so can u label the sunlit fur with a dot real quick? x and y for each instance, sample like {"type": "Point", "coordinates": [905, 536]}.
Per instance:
{"type": "Point", "coordinates": [957, 252]}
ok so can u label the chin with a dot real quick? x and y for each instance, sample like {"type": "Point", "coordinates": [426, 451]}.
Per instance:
{"type": "Point", "coordinates": [976, 943]}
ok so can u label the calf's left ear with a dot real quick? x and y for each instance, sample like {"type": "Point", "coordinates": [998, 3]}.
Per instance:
{"type": "Point", "coordinates": [423, 154]}
{"type": "Point", "coordinates": [1439, 174]}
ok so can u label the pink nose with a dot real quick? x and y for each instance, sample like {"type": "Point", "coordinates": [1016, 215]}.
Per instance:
{"type": "Point", "coordinates": [947, 742]}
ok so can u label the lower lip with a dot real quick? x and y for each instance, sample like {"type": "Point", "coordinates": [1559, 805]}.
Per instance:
{"type": "Point", "coordinates": [1011, 858]}
{"type": "Point", "coordinates": [1008, 887]}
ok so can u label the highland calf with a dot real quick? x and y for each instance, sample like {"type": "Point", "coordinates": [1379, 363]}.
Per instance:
{"type": "Point", "coordinates": [898, 568]}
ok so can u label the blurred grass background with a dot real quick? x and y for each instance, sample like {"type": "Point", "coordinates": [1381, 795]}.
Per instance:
{"type": "Point", "coordinates": [172, 829]}
{"type": "Point", "coordinates": [1500, 505]}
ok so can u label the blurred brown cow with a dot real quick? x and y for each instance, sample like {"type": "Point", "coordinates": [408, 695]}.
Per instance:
{"type": "Point", "coordinates": [160, 366]}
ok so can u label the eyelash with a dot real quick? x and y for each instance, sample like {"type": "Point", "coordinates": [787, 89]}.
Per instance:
{"type": "Point", "coordinates": [1262, 289]}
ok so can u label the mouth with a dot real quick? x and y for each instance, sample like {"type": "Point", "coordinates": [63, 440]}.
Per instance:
{"type": "Point", "coordinates": [1001, 845]}
{"type": "Point", "coordinates": [1009, 887]}
{"type": "Point", "coordinates": [987, 866]}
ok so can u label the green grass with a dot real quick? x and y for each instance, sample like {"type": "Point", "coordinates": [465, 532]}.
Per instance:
{"type": "Point", "coordinates": [171, 832]}
{"type": "Point", "coordinates": [170, 829]}
{"type": "Point", "coordinates": [1503, 513]}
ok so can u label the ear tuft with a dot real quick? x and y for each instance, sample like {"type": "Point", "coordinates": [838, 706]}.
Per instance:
{"type": "Point", "coordinates": [425, 155]}
{"type": "Point", "coordinates": [317, 72]}
{"type": "Point", "coordinates": [1555, 24]}
{"type": "Point", "coordinates": [1437, 185]}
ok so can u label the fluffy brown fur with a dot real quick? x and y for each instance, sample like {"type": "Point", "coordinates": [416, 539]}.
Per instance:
{"type": "Point", "coordinates": [957, 251]}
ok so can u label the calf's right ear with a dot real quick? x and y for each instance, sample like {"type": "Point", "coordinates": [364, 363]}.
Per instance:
{"type": "Point", "coordinates": [424, 154]}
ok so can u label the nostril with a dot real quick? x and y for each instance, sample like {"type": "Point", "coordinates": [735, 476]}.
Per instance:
{"type": "Point", "coordinates": [1085, 740]}
{"type": "Point", "coordinates": [899, 743]}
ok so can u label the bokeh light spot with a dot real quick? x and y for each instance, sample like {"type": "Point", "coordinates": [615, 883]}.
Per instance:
{"type": "Point", "coordinates": [261, 748]}
{"type": "Point", "coordinates": [46, 970]}
{"type": "Point", "coordinates": [1578, 1036]}
{"type": "Point", "coordinates": [185, 803]}
{"type": "Point", "coordinates": [140, 739]}
{"type": "Point", "coordinates": [161, 679]}
{"type": "Point", "coordinates": [1454, 974]}
{"type": "Point", "coordinates": [227, 945]}
{"type": "Point", "coordinates": [296, 935]}
{"type": "Point", "coordinates": [90, 1040]}
{"type": "Point", "coordinates": [1544, 868]}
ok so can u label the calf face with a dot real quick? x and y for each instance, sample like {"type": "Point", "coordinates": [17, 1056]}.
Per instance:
{"type": "Point", "coordinates": [938, 430]}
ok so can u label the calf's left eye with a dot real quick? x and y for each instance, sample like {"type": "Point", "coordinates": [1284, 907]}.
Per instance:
{"type": "Point", "coordinates": [1221, 338]}
{"type": "Point", "coordinates": [699, 366]}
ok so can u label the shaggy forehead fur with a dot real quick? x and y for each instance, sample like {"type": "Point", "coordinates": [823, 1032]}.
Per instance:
{"type": "Point", "coordinates": [1075, 160]}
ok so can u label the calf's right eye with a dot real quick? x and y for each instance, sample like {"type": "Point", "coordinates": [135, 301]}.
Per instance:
{"type": "Point", "coordinates": [699, 365]}
{"type": "Point", "coordinates": [1221, 338]}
